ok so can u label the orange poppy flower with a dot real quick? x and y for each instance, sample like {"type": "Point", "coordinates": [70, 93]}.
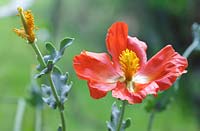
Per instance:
{"type": "Point", "coordinates": [127, 73]}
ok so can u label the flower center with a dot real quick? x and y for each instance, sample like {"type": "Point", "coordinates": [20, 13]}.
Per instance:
{"type": "Point", "coordinates": [129, 63]}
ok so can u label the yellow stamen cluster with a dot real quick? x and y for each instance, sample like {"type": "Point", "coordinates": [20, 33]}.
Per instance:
{"type": "Point", "coordinates": [129, 63]}
{"type": "Point", "coordinates": [27, 32]}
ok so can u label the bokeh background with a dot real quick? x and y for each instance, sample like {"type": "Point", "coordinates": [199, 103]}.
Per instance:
{"type": "Point", "coordinates": [157, 22]}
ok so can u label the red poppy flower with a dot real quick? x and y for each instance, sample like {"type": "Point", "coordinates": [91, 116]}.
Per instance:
{"type": "Point", "coordinates": [127, 73]}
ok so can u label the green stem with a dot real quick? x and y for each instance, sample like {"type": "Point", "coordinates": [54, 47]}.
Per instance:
{"type": "Point", "coordinates": [190, 49]}
{"type": "Point", "coordinates": [19, 114]}
{"type": "Point", "coordinates": [151, 118]}
{"type": "Point", "coordinates": [38, 121]}
{"type": "Point", "coordinates": [121, 116]}
{"type": "Point", "coordinates": [62, 119]}
{"type": "Point", "coordinates": [53, 88]}
{"type": "Point", "coordinates": [39, 54]}
{"type": "Point", "coordinates": [196, 41]}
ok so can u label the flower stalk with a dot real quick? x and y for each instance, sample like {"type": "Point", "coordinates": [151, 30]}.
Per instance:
{"type": "Point", "coordinates": [62, 119]}
{"type": "Point", "coordinates": [151, 119]}
{"type": "Point", "coordinates": [38, 121]}
{"type": "Point", "coordinates": [19, 114]}
{"type": "Point", "coordinates": [196, 41]}
{"type": "Point", "coordinates": [39, 55]}
{"type": "Point", "coordinates": [121, 115]}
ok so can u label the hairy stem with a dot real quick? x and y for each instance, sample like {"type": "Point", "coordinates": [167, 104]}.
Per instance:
{"type": "Point", "coordinates": [121, 116]}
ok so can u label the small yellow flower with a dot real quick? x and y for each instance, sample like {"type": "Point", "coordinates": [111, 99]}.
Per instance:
{"type": "Point", "coordinates": [27, 32]}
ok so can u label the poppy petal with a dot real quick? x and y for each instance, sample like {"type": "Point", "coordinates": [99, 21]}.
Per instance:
{"type": "Point", "coordinates": [95, 67]}
{"type": "Point", "coordinates": [144, 89]}
{"type": "Point", "coordinates": [116, 40]}
{"type": "Point", "coordinates": [102, 86]}
{"type": "Point", "coordinates": [163, 68]}
{"type": "Point", "coordinates": [122, 93]}
{"type": "Point", "coordinates": [96, 93]}
{"type": "Point", "coordinates": [139, 47]}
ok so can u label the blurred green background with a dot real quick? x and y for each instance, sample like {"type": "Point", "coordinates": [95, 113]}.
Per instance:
{"type": "Point", "coordinates": [157, 22]}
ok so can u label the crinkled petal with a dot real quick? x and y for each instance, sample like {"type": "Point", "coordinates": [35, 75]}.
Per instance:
{"type": "Point", "coordinates": [145, 89]}
{"type": "Point", "coordinates": [102, 86]}
{"type": "Point", "coordinates": [116, 40]}
{"type": "Point", "coordinates": [163, 68]}
{"type": "Point", "coordinates": [122, 93]}
{"type": "Point", "coordinates": [139, 47]}
{"type": "Point", "coordinates": [95, 92]}
{"type": "Point", "coordinates": [140, 92]}
{"type": "Point", "coordinates": [95, 67]}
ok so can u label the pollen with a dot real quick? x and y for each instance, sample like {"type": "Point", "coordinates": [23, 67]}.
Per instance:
{"type": "Point", "coordinates": [20, 33]}
{"type": "Point", "coordinates": [27, 32]}
{"type": "Point", "coordinates": [129, 63]}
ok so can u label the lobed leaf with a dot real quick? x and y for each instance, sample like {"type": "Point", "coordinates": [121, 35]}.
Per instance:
{"type": "Point", "coordinates": [115, 116]}
{"type": "Point", "coordinates": [48, 96]}
{"type": "Point", "coordinates": [46, 70]}
{"type": "Point", "coordinates": [64, 44]}
{"type": "Point", "coordinates": [35, 98]}
{"type": "Point", "coordinates": [62, 87]}
{"type": "Point", "coordinates": [54, 54]}
{"type": "Point", "coordinates": [61, 83]}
